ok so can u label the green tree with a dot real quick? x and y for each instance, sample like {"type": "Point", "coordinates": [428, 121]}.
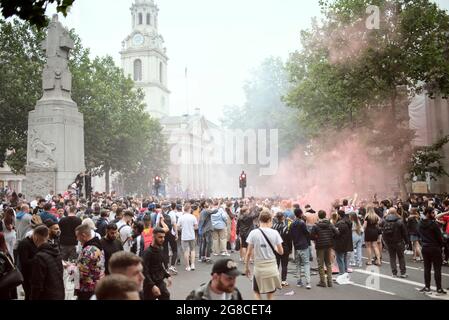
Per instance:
{"type": "Point", "coordinates": [427, 160]}
{"type": "Point", "coordinates": [33, 11]}
{"type": "Point", "coordinates": [21, 63]}
{"type": "Point", "coordinates": [346, 75]}
{"type": "Point", "coordinates": [116, 127]}
{"type": "Point", "coordinates": [264, 108]}
{"type": "Point", "coordinates": [154, 161]}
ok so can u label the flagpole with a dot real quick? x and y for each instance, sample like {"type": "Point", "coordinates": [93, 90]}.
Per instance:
{"type": "Point", "coordinates": [187, 92]}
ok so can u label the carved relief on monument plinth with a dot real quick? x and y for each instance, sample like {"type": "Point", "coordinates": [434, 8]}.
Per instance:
{"type": "Point", "coordinates": [41, 153]}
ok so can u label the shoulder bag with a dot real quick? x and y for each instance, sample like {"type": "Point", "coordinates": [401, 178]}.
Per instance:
{"type": "Point", "coordinates": [12, 279]}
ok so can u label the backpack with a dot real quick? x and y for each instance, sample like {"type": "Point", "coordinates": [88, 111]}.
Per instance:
{"type": "Point", "coordinates": [388, 229]}
{"type": "Point", "coordinates": [167, 221]}
{"type": "Point", "coordinates": [147, 238]}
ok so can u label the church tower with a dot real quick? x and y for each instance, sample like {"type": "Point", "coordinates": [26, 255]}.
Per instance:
{"type": "Point", "coordinates": [144, 58]}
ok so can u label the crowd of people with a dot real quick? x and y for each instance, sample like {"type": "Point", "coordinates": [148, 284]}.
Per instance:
{"type": "Point", "coordinates": [129, 248]}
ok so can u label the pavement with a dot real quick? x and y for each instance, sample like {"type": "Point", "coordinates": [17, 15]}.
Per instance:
{"type": "Point", "coordinates": [367, 283]}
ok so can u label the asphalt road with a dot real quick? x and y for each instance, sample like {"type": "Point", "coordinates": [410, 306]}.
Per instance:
{"type": "Point", "coordinates": [367, 283]}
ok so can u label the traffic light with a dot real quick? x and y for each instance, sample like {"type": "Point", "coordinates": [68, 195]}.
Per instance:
{"type": "Point", "coordinates": [242, 180]}
{"type": "Point", "coordinates": [157, 184]}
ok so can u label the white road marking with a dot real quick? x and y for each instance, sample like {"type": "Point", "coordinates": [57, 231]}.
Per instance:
{"type": "Point", "coordinates": [370, 288]}
{"type": "Point", "coordinates": [413, 283]}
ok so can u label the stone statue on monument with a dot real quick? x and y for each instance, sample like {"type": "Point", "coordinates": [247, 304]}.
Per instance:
{"type": "Point", "coordinates": [55, 149]}
{"type": "Point", "coordinates": [42, 153]}
{"type": "Point", "coordinates": [56, 77]}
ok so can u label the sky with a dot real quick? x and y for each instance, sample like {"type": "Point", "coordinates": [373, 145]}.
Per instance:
{"type": "Point", "coordinates": [218, 41]}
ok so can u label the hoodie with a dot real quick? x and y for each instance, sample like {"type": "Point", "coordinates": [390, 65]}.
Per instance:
{"type": "Point", "coordinates": [153, 269]}
{"type": "Point", "coordinates": [219, 219]}
{"type": "Point", "coordinates": [91, 265]}
{"type": "Point", "coordinates": [300, 234]}
{"type": "Point", "coordinates": [205, 223]}
{"type": "Point", "coordinates": [430, 234]}
{"type": "Point", "coordinates": [23, 224]}
{"type": "Point", "coordinates": [399, 229]}
{"type": "Point", "coordinates": [47, 279]}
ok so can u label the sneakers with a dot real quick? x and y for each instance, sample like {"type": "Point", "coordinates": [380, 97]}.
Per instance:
{"type": "Point", "coordinates": [425, 290]}
{"type": "Point", "coordinates": [404, 276]}
{"type": "Point", "coordinates": [285, 284]}
{"type": "Point", "coordinates": [192, 267]}
{"type": "Point", "coordinates": [215, 254]}
{"type": "Point", "coordinates": [321, 284]}
{"type": "Point", "coordinates": [225, 254]}
{"type": "Point", "coordinates": [441, 291]}
{"type": "Point", "coordinates": [173, 270]}
{"type": "Point", "coordinates": [308, 287]}
{"type": "Point", "coordinates": [188, 269]}
{"type": "Point", "coordinates": [299, 283]}
{"type": "Point", "coordinates": [343, 279]}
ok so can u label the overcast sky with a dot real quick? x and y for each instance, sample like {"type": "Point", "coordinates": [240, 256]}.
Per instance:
{"type": "Point", "coordinates": [219, 41]}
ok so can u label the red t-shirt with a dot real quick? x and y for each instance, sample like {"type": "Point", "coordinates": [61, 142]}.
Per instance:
{"type": "Point", "coordinates": [445, 219]}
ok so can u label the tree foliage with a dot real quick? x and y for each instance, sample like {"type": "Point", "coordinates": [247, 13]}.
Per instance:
{"type": "Point", "coordinates": [428, 160]}
{"type": "Point", "coordinates": [264, 108]}
{"type": "Point", "coordinates": [349, 76]}
{"type": "Point", "coordinates": [118, 133]}
{"type": "Point", "coordinates": [21, 63]}
{"type": "Point", "coordinates": [33, 11]}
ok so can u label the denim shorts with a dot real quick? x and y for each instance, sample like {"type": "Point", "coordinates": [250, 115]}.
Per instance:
{"type": "Point", "coordinates": [414, 238]}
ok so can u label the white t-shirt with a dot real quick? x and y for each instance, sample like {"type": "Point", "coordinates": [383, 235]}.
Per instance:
{"type": "Point", "coordinates": [262, 250]}
{"type": "Point", "coordinates": [187, 223]}
{"type": "Point", "coordinates": [125, 233]}
{"type": "Point", "coordinates": [221, 296]}
{"type": "Point", "coordinates": [111, 216]}
{"type": "Point", "coordinates": [174, 219]}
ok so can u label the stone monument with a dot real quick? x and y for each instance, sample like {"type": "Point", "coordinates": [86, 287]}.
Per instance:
{"type": "Point", "coordinates": [55, 150]}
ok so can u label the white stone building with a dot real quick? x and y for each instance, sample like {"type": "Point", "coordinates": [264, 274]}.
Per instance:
{"type": "Point", "coordinates": [144, 57]}
{"type": "Point", "coordinates": [10, 180]}
{"type": "Point", "coordinates": [430, 118]}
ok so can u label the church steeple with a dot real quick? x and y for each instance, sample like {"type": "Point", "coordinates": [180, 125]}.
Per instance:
{"type": "Point", "coordinates": [144, 57]}
{"type": "Point", "coordinates": [144, 15]}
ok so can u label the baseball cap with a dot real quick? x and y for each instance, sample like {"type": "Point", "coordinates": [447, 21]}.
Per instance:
{"type": "Point", "coordinates": [226, 266]}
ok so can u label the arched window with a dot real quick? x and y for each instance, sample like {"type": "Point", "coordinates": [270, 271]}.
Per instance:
{"type": "Point", "coordinates": [137, 70]}
{"type": "Point", "coordinates": [148, 19]}
{"type": "Point", "coordinates": [140, 18]}
{"type": "Point", "coordinates": [161, 72]}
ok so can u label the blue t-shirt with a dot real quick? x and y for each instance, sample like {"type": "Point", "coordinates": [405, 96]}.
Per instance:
{"type": "Point", "coordinates": [289, 214]}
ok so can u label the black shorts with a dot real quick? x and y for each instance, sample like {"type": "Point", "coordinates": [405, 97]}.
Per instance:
{"type": "Point", "coordinates": [243, 243]}
{"type": "Point", "coordinates": [256, 287]}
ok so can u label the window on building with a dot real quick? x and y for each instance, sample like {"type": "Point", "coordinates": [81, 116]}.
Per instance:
{"type": "Point", "coordinates": [140, 18]}
{"type": "Point", "coordinates": [161, 72]}
{"type": "Point", "coordinates": [137, 70]}
{"type": "Point", "coordinates": [148, 19]}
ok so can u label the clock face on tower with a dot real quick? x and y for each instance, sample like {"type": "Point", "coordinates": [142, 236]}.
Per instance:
{"type": "Point", "coordinates": [138, 39]}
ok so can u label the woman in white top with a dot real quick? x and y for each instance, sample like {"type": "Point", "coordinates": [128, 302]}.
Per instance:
{"type": "Point", "coordinates": [263, 242]}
